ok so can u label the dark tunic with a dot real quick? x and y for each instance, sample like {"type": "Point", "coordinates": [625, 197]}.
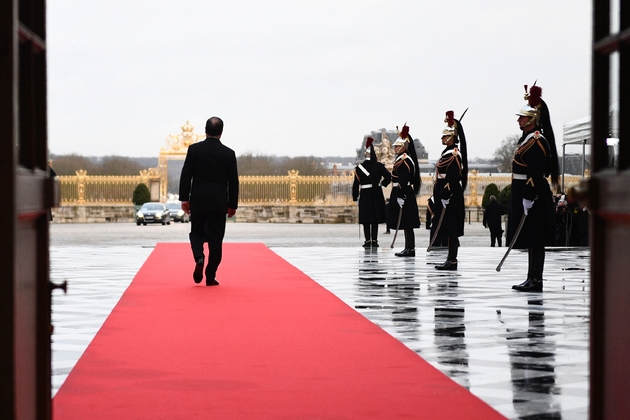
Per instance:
{"type": "Point", "coordinates": [530, 167]}
{"type": "Point", "coordinates": [448, 174]}
{"type": "Point", "coordinates": [402, 174]}
{"type": "Point", "coordinates": [371, 200]}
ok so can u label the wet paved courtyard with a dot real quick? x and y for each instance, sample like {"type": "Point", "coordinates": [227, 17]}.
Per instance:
{"type": "Point", "coordinates": [525, 354]}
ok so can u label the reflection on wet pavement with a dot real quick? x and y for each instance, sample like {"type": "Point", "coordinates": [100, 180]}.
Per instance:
{"type": "Point", "coordinates": [525, 354]}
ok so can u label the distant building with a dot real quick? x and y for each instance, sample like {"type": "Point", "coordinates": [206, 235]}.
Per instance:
{"type": "Point", "coordinates": [339, 168]}
{"type": "Point", "coordinates": [383, 140]}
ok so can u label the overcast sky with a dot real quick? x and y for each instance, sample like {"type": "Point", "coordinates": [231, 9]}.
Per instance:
{"type": "Point", "coordinates": [302, 77]}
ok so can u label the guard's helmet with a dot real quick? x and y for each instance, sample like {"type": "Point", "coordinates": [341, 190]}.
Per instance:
{"type": "Point", "coordinates": [403, 136]}
{"type": "Point", "coordinates": [400, 142]}
{"type": "Point", "coordinates": [532, 108]}
{"type": "Point", "coordinates": [455, 131]}
{"type": "Point", "coordinates": [537, 110]}
{"type": "Point", "coordinates": [451, 127]}
{"type": "Point", "coordinates": [369, 149]}
{"type": "Point", "coordinates": [368, 144]}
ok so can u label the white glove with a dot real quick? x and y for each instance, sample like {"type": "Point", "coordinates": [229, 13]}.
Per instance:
{"type": "Point", "coordinates": [527, 204]}
{"type": "Point", "coordinates": [445, 202]}
{"type": "Point", "coordinates": [401, 201]}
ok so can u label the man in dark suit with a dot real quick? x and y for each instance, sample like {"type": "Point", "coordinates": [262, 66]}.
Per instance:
{"type": "Point", "coordinates": [210, 167]}
{"type": "Point", "coordinates": [492, 220]}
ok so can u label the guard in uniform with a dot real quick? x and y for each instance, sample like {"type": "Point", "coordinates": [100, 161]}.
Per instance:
{"type": "Point", "coordinates": [369, 176]}
{"type": "Point", "coordinates": [406, 185]}
{"type": "Point", "coordinates": [451, 177]}
{"type": "Point", "coordinates": [531, 199]}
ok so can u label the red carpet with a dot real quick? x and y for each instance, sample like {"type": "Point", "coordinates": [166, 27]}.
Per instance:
{"type": "Point", "coordinates": [268, 343]}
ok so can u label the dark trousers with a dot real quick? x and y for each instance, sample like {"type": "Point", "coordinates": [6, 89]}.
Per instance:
{"type": "Point", "coordinates": [410, 239]}
{"type": "Point", "coordinates": [495, 236]}
{"type": "Point", "coordinates": [536, 262]}
{"type": "Point", "coordinates": [370, 231]}
{"type": "Point", "coordinates": [453, 248]}
{"type": "Point", "coordinates": [207, 226]}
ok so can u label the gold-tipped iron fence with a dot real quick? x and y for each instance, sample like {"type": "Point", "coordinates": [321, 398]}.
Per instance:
{"type": "Point", "coordinates": [293, 189]}
{"type": "Point", "coordinates": [83, 189]}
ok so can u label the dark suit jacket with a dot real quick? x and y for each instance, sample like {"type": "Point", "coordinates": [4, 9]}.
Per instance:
{"type": "Point", "coordinates": [210, 169]}
{"type": "Point", "coordinates": [492, 217]}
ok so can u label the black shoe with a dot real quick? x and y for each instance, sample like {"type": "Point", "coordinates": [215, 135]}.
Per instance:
{"type": "Point", "coordinates": [212, 282]}
{"type": "Point", "coordinates": [367, 244]}
{"type": "Point", "coordinates": [406, 253]}
{"type": "Point", "coordinates": [198, 274]}
{"type": "Point", "coordinates": [529, 285]}
{"type": "Point", "coordinates": [447, 265]}
{"type": "Point", "coordinates": [387, 232]}
{"type": "Point", "coordinates": [374, 244]}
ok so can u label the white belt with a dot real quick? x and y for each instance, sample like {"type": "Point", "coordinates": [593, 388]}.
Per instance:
{"type": "Point", "coordinates": [519, 176]}
{"type": "Point", "coordinates": [395, 184]}
{"type": "Point", "coordinates": [440, 176]}
{"type": "Point", "coordinates": [364, 186]}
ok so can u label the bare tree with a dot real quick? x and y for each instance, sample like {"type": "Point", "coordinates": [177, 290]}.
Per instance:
{"type": "Point", "coordinates": [69, 164]}
{"type": "Point", "coordinates": [249, 164]}
{"type": "Point", "coordinates": [306, 165]}
{"type": "Point", "coordinates": [503, 154]}
{"type": "Point", "coordinates": [108, 165]}
{"type": "Point", "coordinates": [118, 165]}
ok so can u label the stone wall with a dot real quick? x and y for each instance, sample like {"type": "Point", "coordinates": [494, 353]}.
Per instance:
{"type": "Point", "coordinates": [93, 214]}
{"type": "Point", "coordinates": [297, 214]}
{"type": "Point", "coordinates": [245, 214]}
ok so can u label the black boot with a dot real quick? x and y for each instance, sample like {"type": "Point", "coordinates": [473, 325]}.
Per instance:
{"type": "Point", "coordinates": [367, 244]}
{"type": "Point", "coordinates": [374, 244]}
{"type": "Point", "coordinates": [406, 253]}
{"type": "Point", "coordinates": [447, 265]}
{"type": "Point", "coordinates": [529, 285]}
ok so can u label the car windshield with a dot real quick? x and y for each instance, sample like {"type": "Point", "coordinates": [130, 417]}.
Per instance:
{"type": "Point", "coordinates": [174, 206]}
{"type": "Point", "coordinates": [152, 206]}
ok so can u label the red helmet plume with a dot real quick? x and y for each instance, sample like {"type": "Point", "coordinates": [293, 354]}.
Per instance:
{"type": "Point", "coordinates": [369, 142]}
{"type": "Point", "coordinates": [450, 118]}
{"type": "Point", "coordinates": [535, 94]}
{"type": "Point", "coordinates": [404, 133]}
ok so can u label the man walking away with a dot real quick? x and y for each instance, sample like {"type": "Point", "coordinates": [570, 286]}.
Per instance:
{"type": "Point", "coordinates": [208, 189]}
